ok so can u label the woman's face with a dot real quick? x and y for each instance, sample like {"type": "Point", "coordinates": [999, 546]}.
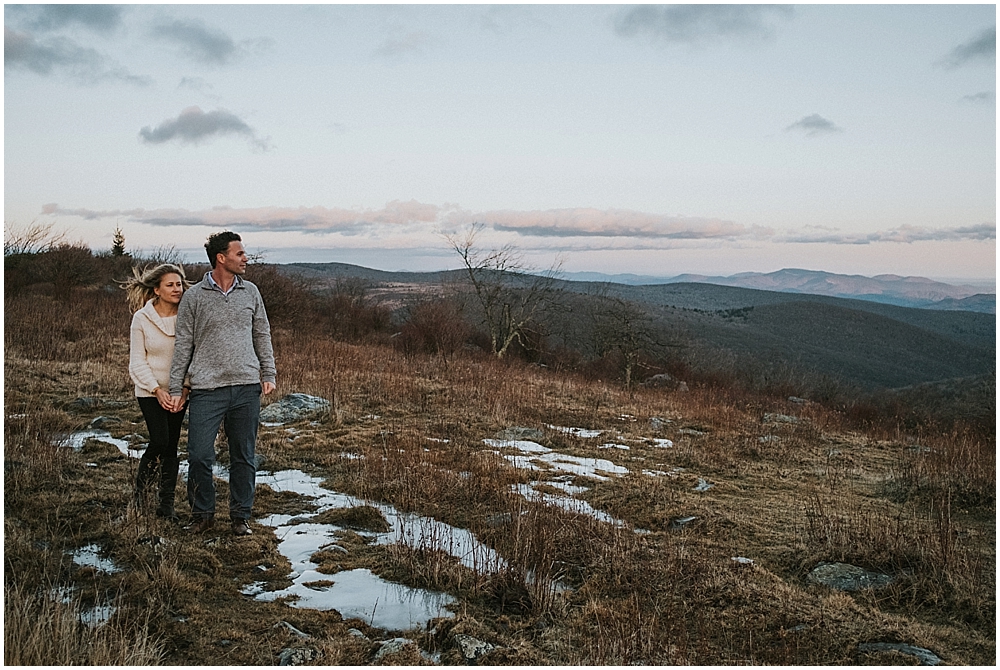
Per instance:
{"type": "Point", "coordinates": [171, 288]}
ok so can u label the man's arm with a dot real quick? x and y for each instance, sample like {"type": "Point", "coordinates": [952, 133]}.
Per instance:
{"type": "Point", "coordinates": [183, 345]}
{"type": "Point", "coordinates": [262, 347]}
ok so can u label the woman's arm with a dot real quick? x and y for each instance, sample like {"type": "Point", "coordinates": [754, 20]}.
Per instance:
{"type": "Point", "coordinates": [138, 366]}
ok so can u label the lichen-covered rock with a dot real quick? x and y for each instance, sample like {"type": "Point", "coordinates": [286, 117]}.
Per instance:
{"type": "Point", "coordinates": [297, 656]}
{"type": "Point", "coordinates": [781, 418]}
{"type": "Point", "coordinates": [472, 649]}
{"type": "Point", "coordinates": [294, 407]}
{"type": "Point", "coordinates": [846, 577]}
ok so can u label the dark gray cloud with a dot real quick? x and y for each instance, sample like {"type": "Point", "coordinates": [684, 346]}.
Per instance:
{"type": "Point", "coordinates": [982, 98]}
{"type": "Point", "coordinates": [980, 49]}
{"type": "Point", "coordinates": [205, 44]}
{"type": "Point", "coordinates": [701, 23]}
{"type": "Point", "coordinates": [193, 126]}
{"type": "Point", "coordinates": [814, 124]}
{"type": "Point", "coordinates": [21, 51]}
{"type": "Point", "coordinates": [99, 18]}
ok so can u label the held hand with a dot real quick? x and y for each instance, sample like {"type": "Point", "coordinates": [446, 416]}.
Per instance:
{"type": "Point", "coordinates": [267, 387]}
{"type": "Point", "coordinates": [163, 397]}
{"type": "Point", "coordinates": [177, 402]}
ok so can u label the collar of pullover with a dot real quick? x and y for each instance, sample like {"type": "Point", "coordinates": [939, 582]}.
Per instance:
{"type": "Point", "coordinates": [164, 323]}
{"type": "Point", "coordinates": [212, 285]}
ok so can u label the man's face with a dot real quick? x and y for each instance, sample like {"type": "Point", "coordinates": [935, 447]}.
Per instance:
{"type": "Point", "coordinates": [234, 260]}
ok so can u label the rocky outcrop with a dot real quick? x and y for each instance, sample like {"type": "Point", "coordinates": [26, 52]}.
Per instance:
{"type": "Point", "coordinates": [294, 407]}
{"type": "Point", "coordinates": [846, 577]}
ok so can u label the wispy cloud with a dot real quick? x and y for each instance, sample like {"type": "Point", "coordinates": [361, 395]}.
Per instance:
{"type": "Point", "coordinates": [580, 228]}
{"type": "Point", "coordinates": [814, 124]}
{"type": "Point", "coordinates": [204, 44]}
{"type": "Point", "coordinates": [982, 98]}
{"type": "Point", "coordinates": [193, 126]}
{"type": "Point", "coordinates": [692, 24]}
{"type": "Point", "coordinates": [587, 222]}
{"type": "Point", "coordinates": [980, 49]}
{"type": "Point", "coordinates": [902, 234]}
{"type": "Point", "coordinates": [410, 43]}
{"type": "Point", "coordinates": [99, 18]}
{"type": "Point", "coordinates": [21, 51]}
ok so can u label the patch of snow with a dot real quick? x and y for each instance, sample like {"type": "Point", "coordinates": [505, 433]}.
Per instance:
{"type": "Point", "coordinates": [579, 465]}
{"type": "Point", "coordinates": [272, 424]}
{"type": "Point", "coordinates": [75, 441]}
{"type": "Point", "coordinates": [524, 446]}
{"type": "Point", "coordinates": [442, 440]}
{"type": "Point", "coordinates": [611, 445]}
{"type": "Point", "coordinates": [742, 560]}
{"type": "Point", "coordinates": [571, 504]}
{"type": "Point", "coordinates": [660, 442]}
{"type": "Point", "coordinates": [703, 485]}
{"type": "Point", "coordinates": [576, 432]}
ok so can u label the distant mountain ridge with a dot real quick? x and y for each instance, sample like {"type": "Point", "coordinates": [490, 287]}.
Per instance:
{"type": "Point", "coordinates": [889, 289]}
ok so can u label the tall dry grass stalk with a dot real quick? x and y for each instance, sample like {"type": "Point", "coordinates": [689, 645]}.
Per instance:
{"type": "Point", "coordinates": [39, 629]}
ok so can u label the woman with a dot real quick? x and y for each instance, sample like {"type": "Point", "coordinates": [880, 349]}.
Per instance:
{"type": "Point", "coordinates": [154, 296]}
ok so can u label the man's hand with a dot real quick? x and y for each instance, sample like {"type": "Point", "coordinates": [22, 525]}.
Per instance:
{"type": "Point", "coordinates": [177, 402]}
{"type": "Point", "coordinates": [267, 387]}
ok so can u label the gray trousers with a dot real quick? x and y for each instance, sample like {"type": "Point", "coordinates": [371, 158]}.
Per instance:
{"type": "Point", "coordinates": [238, 409]}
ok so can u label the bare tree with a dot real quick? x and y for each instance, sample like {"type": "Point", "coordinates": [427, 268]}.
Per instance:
{"type": "Point", "coordinates": [508, 293]}
{"type": "Point", "coordinates": [33, 239]}
{"type": "Point", "coordinates": [624, 327]}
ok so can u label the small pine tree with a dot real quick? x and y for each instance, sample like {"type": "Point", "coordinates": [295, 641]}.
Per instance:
{"type": "Point", "coordinates": [118, 243]}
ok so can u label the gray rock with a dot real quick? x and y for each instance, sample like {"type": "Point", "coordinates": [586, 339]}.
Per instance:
{"type": "Point", "coordinates": [91, 402]}
{"type": "Point", "coordinates": [354, 632]}
{"type": "Point", "coordinates": [520, 433]}
{"type": "Point", "coordinates": [104, 421]}
{"type": "Point", "coordinates": [297, 656]}
{"type": "Point", "coordinates": [394, 646]}
{"type": "Point", "coordinates": [471, 648]}
{"type": "Point", "coordinates": [797, 400]}
{"type": "Point", "coordinates": [656, 423]}
{"type": "Point", "coordinates": [691, 431]}
{"type": "Point", "coordinates": [681, 522]}
{"type": "Point", "coordinates": [781, 418]}
{"type": "Point", "coordinates": [846, 577]}
{"type": "Point", "coordinates": [703, 485]}
{"type": "Point", "coordinates": [294, 407]}
{"type": "Point", "coordinates": [291, 629]}
{"type": "Point", "coordinates": [925, 656]}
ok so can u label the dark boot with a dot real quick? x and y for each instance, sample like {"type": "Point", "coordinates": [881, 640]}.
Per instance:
{"type": "Point", "coordinates": [144, 480]}
{"type": "Point", "coordinates": [168, 485]}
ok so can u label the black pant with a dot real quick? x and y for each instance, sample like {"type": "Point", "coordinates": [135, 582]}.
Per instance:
{"type": "Point", "coordinates": [164, 434]}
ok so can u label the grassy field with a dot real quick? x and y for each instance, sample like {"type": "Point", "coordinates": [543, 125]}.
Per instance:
{"type": "Point", "coordinates": [792, 486]}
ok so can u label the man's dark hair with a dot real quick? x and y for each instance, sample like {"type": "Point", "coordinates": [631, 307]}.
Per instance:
{"type": "Point", "coordinates": [218, 243]}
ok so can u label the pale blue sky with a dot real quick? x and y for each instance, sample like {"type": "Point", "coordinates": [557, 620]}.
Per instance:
{"type": "Point", "coordinates": [653, 139]}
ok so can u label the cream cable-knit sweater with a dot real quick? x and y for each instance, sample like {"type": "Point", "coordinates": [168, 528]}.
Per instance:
{"type": "Point", "coordinates": [151, 350]}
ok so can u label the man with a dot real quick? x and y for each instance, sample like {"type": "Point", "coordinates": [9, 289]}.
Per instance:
{"type": "Point", "coordinates": [224, 339]}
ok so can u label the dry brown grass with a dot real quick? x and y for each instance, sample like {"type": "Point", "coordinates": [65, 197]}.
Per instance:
{"type": "Point", "coordinates": [787, 495]}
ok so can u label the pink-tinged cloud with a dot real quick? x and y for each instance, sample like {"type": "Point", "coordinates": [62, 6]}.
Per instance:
{"type": "Point", "coordinates": [578, 227]}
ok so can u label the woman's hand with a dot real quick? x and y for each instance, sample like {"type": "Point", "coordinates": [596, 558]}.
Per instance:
{"type": "Point", "coordinates": [163, 397]}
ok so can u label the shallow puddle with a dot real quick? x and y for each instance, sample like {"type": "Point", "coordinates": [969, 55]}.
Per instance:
{"type": "Point", "coordinates": [90, 556]}
{"type": "Point", "coordinates": [359, 593]}
{"type": "Point", "coordinates": [363, 595]}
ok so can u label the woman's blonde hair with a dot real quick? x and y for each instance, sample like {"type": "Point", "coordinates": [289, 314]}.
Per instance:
{"type": "Point", "coordinates": [139, 287]}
